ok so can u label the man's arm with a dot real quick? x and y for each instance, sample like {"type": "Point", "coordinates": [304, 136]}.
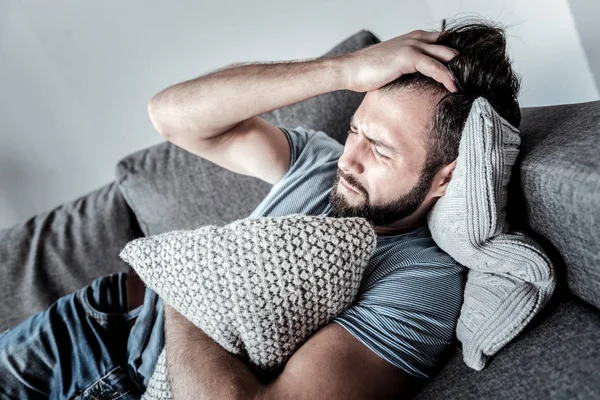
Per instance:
{"type": "Point", "coordinates": [207, 106]}
{"type": "Point", "coordinates": [332, 364]}
{"type": "Point", "coordinates": [199, 368]}
{"type": "Point", "coordinates": [211, 104]}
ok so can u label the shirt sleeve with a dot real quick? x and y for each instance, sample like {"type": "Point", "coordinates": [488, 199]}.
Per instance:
{"type": "Point", "coordinates": [297, 138]}
{"type": "Point", "coordinates": [409, 316]}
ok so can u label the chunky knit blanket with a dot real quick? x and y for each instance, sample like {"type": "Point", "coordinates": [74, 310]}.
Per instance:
{"type": "Point", "coordinates": [510, 277]}
{"type": "Point", "coordinates": [258, 287]}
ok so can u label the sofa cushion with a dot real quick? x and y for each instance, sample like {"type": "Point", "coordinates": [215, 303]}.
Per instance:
{"type": "Point", "coordinates": [169, 188]}
{"type": "Point", "coordinates": [57, 252]}
{"type": "Point", "coordinates": [555, 357]}
{"type": "Point", "coordinates": [510, 277]}
{"type": "Point", "coordinates": [556, 190]}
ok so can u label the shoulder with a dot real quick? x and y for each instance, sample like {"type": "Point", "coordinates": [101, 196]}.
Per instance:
{"type": "Point", "coordinates": [306, 185]}
{"type": "Point", "coordinates": [308, 145]}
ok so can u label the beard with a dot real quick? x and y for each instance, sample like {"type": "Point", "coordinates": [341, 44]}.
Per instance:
{"type": "Point", "coordinates": [381, 214]}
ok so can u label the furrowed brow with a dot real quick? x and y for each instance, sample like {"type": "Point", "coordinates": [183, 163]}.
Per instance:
{"type": "Point", "coordinates": [377, 142]}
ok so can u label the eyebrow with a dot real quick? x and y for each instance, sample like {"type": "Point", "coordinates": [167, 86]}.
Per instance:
{"type": "Point", "coordinates": [377, 142]}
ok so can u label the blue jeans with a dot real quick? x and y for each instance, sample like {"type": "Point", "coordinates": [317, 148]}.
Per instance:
{"type": "Point", "coordinates": [84, 346]}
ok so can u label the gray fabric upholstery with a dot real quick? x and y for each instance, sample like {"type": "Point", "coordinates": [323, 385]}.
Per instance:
{"type": "Point", "coordinates": [555, 357]}
{"type": "Point", "coordinates": [59, 251]}
{"type": "Point", "coordinates": [169, 188]}
{"type": "Point", "coordinates": [556, 191]}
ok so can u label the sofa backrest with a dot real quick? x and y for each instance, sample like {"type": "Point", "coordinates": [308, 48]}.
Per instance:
{"type": "Point", "coordinates": [555, 190]}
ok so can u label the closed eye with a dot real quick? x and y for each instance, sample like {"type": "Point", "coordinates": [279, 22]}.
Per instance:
{"type": "Point", "coordinates": [377, 153]}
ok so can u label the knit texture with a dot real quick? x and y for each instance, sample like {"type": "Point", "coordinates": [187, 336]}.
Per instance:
{"type": "Point", "coordinates": [258, 287]}
{"type": "Point", "coordinates": [510, 277]}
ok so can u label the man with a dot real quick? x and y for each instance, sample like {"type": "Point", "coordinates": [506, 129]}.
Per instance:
{"type": "Point", "coordinates": [397, 161]}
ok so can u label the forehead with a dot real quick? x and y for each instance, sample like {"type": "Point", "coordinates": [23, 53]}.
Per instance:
{"type": "Point", "coordinates": [400, 118]}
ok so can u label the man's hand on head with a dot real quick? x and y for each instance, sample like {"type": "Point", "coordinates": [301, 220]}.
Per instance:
{"type": "Point", "coordinates": [377, 65]}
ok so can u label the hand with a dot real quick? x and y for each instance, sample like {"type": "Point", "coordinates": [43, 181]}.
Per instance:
{"type": "Point", "coordinates": [375, 66]}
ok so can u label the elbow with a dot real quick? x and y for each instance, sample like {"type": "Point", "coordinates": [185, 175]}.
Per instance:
{"type": "Point", "coordinates": [161, 116]}
{"type": "Point", "coordinates": [153, 114]}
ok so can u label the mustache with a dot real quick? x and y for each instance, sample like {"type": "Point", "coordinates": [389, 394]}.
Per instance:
{"type": "Point", "coordinates": [351, 181]}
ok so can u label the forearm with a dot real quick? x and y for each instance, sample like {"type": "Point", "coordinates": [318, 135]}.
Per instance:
{"type": "Point", "coordinates": [199, 368]}
{"type": "Point", "coordinates": [213, 103]}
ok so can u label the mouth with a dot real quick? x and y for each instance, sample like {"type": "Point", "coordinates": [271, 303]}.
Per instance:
{"type": "Point", "coordinates": [348, 187]}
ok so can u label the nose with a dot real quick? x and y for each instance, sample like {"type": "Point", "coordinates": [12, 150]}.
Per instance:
{"type": "Point", "coordinates": [349, 161]}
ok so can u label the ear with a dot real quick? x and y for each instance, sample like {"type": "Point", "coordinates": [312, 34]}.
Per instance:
{"type": "Point", "coordinates": [441, 179]}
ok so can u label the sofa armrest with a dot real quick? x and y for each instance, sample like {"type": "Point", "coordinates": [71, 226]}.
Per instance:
{"type": "Point", "coordinates": [57, 252]}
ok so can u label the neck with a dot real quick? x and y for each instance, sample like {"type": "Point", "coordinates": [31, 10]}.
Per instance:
{"type": "Point", "coordinates": [405, 224]}
{"type": "Point", "coordinates": [397, 227]}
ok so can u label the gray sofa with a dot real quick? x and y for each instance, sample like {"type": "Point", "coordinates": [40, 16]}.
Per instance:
{"type": "Point", "coordinates": [554, 196]}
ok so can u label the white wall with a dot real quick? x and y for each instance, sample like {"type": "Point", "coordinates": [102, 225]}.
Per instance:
{"type": "Point", "coordinates": [75, 77]}
{"type": "Point", "coordinates": [586, 14]}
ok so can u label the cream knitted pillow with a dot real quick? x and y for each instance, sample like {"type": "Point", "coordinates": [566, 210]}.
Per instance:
{"type": "Point", "coordinates": [258, 287]}
{"type": "Point", "coordinates": [510, 277]}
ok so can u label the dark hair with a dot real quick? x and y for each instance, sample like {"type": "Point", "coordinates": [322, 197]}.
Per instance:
{"type": "Point", "coordinates": [481, 69]}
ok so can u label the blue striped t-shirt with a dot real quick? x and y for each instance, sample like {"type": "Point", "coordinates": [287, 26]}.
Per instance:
{"type": "Point", "coordinates": [411, 293]}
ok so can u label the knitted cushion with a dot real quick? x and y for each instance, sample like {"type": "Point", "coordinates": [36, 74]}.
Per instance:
{"type": "Point", "coordinates": [510, 277]}
{"type": "Point", "coordinates": [258, 287]}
